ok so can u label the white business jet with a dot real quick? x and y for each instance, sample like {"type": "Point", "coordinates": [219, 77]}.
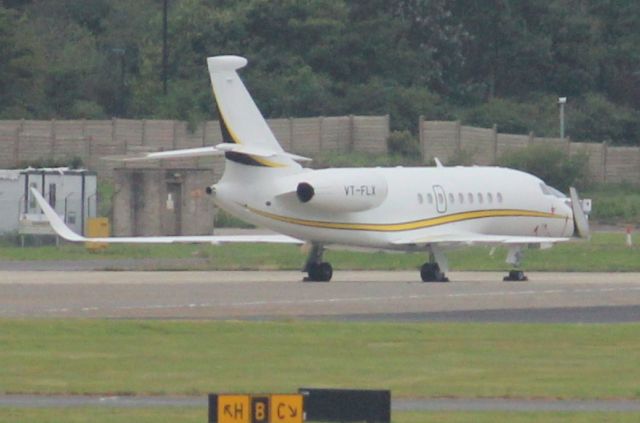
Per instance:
{"type": "Point", "coordinates": [413, 209]}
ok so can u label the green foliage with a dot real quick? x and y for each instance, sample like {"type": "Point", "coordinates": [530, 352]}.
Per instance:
{"type": "Point", "coordinates": [618, 204]}
{"type": "Point", "coordinates": [491, 61]}
{"type": "Point", "coordinates": [225, 220]}
{"type": "Point", "coordinates": [539, 116]}
{"type": "Point", "coordinates": [597, 119]}
{"type": "Point", "coordinates": [550, 164]}
{"type": "Point", "coordinates": [404, 144]}
{"type": "Point", "coordinates": [106, 191]}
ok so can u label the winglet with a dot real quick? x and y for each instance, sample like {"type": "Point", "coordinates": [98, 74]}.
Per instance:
{"type": "Point", "coordinates": [438, 162]}
{"type": "Point", "coordinates": [56, 223]}
{"type": "Point", "coordinates": [579, 218]}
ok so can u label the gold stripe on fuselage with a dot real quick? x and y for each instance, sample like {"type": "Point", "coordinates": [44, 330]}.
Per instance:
{"type": "Point", "coordinates": [407, 226]}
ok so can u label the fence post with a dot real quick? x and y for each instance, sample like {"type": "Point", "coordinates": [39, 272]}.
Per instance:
{"type": "Point", "coordinates": [530, 140]}
{"type": "Point", "coordinates": [175, 135]}
{"type": "Point", "coordinates": [291, 140]}
{"type": "Point", "coordinates": [143, 134]}
{"type": "Point", "coordinates": [495, 143]}
{"type": "Point", "coordinates": [320, 135]}
{"type": "Point", "coordinates": [52, 138]}
{"type": "Point", "coordinates": [458, 137]}
{"type": "Point", "coordinates": [16, 143]}
{"type": "Point", "coordinates": [352, 135]}
{"type": "Point", "coordinates": [421, 136]}
{"type": "Point", "coordinates": [604, 161]}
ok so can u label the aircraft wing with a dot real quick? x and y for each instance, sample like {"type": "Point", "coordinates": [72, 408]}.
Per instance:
{"type": "Point", "coordinates": [65, 232]}
{"type": "Point", "coordinates": [470, 238]}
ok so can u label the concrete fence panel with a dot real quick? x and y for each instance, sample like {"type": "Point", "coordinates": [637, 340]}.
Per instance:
{"type": "Point", "coordinates": [306, 133]}
{"type": "Point", "coordinates": [439, 139]}
{"type": "Point", "coordinates": [128, 133]}
{"type": "Point", "coordinates": [282, 130]}
{"type": "Point", "coordinates": [370, 134]}
{"type": "Point", "coordinates": [159, 134]}
{"type": "Point", "coordinates": [511, 142]}
{"type": "Point", "coordinates": [595, 156]}
{"type": "Point", "coordinates": [480, 142]}
{"type": "Point", "coordinates": [336, 133]}
{"type": "Point", "coordinates": [622, 164]}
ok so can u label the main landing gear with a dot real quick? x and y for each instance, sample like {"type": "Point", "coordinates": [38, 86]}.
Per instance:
{"type": "Point", "coordinates": [317, 270]}
{"type": "Point", "coordinates": [515, 276]}
{"type": "Point", "coordinates": [514, 258]}
{"type": "Point", "coordinates": [430, 271]}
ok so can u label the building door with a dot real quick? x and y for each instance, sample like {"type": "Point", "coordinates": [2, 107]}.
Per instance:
{"type": "Point", "coordinates": [173, 209]}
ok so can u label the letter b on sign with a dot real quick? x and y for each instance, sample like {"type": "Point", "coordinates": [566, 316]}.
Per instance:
{"type": "Point", "coordinates": [260, 408]}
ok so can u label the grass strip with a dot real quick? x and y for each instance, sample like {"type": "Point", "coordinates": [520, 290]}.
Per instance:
{"type": "Point", "coordinates": [197, 415]}
{"type": "Point", "coordinates": [606, 252]}
{"type": "Point", "coordinates": [413, 360]}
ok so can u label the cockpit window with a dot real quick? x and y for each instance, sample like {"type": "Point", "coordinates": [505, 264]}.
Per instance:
{"type": "Point", "coordinates": [547, 190]}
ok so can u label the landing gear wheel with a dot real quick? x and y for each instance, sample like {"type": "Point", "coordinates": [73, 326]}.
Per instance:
{"type": "Point", "coordinates": [515, 276]}
{"type": "Point", "coordinates": [430, 272]}
{"type": "Point", "coordinates": [319, 272]}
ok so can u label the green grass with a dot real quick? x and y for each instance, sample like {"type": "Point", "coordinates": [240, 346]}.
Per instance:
{"type": "Point", "coordinates": [615, 203]}
{"type": "Point", "coordinates": [198, 415]}
{"type": "Point", "coordinates": [605, 252]}
{"type": "Point", "coordinates": [413, 360]}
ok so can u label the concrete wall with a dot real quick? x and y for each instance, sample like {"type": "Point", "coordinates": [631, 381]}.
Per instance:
{"type": "Point", "coordinates": [448, 139]}
{"type": "Point", "coordinates": [27, 141]}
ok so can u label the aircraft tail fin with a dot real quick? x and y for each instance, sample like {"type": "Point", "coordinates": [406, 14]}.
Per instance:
{"type": "Point", "coordinates": [240, 119]}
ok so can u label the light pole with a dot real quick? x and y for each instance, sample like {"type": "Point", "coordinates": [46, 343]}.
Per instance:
{"type": "Point", "coordinates": [561, 102]}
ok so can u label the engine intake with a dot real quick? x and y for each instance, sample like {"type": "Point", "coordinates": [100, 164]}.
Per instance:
{"type": "Point", "coordinates": [305, 192]}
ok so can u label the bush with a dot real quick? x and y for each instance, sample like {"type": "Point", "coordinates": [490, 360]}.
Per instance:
{"type": "Point", "coordinates": [404, 144]}
{"type": "Point", "coordinates": [550, 164]}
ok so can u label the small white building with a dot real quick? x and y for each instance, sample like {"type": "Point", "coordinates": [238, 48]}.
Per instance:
{"type": "Point", "coordinates": [71, 192]}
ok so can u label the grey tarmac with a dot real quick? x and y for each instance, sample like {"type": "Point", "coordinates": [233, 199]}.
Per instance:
{"type": "Point", "coordinates": [352, 295]}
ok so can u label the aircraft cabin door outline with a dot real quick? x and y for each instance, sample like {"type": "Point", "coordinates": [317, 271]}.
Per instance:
{"type": "Point", "coordinates": [440, 198]}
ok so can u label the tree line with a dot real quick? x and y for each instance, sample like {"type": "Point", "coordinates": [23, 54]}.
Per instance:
{"type": "Point", "coordinates": [483, 62]}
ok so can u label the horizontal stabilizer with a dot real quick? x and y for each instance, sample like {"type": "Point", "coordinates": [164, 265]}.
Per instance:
{"type": "Point", "coordinates": [65, 232]}
{"type": "Point", "coordinates": [214, 151]}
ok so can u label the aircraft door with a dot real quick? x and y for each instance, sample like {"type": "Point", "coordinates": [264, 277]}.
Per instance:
{"type": "Point", "coordinates": [441, 198]}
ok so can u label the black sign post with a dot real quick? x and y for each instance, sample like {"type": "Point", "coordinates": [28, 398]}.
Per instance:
{"type": "Point", "coordinates": [347, 405]}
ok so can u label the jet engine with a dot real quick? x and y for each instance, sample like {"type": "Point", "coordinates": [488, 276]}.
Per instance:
{"type": "Point", "coordinates": [341, 190]}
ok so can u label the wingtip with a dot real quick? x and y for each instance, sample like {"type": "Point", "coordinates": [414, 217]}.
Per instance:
{"type": "Point", "coordinates": [54, 220]}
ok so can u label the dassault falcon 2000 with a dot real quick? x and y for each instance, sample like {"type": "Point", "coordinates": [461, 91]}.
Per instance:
{"type": "Point", "coordinates": [425, 209]}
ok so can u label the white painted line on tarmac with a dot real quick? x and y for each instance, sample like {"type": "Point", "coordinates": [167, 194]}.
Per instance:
{"type": "Point", "coordinates": [367, 299]}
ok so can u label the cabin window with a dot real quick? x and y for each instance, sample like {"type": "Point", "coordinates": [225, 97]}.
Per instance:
{"type": "Point", "coordinates": [470, 198]}
{"type": "Point", "coordinates": [489, 198]}
{"type": "Point", "coordinates": [499, 197]}
{"type": "Point", "coordinates": [461, 198]}
{"type": "Point", "coordinates": [440, 198]}
{"type": "Point", "coordinates": [452, 199]}
{"type": "Point", "coordinates": [420, 199]}
{"type": "Point", "coordinates": [430, 198]}
{"type": "Point", "coordinates": [480, 199]}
